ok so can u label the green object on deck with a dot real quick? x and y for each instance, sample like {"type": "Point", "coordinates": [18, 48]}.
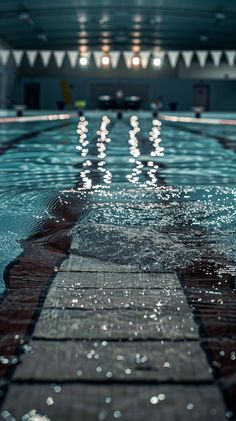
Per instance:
{"type": "Point", "coordinates": [80, 104]}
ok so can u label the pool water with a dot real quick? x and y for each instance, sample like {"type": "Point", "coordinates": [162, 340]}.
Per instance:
{"type": "Point", "coordinates": [189, 189]}
{"type": "Point", "coordinates": [107, 184]}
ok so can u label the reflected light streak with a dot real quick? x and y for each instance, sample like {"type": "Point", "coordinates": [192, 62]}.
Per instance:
{"type": "Point", "coordinates": [82, 130]}
{"type": "Point", "coordinates": [154, 137]}
{"type": "Point", "coordinates": [102, 141]}
{"type": "Point", "coordinates": [134, 151]}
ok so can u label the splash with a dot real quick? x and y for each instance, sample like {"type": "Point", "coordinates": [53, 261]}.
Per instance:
{"type": "Point", "coordinates": [139, 247]}
{"type": "Point", "coordinates": [159, 230]}
{"type": "Point", "coordinates": [34, 416]}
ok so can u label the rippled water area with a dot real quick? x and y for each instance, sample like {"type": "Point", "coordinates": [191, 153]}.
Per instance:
{"type": "Point", "coordinates": [117, 269]}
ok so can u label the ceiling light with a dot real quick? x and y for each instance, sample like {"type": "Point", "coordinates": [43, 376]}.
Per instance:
{"type": "Point", "coordinates": [42, 37]}
{"type": "Point", "coordinates": [83, 41]}
{"type": "Point", "coordinates": [158, 19]}
{"type": "Point", "coordinates": [82, 18]}
{"type": "Point", "coordinates": [105, 60]}
{"type": "Point", "coordinates": [104, 19]}
{"type": "Point", "coordinates": [105, 49]}
{"type": "Point", "coordinates": [136, 34]}
{"type": "Point", "coordinates": [83, 61]}
{"type": "Point", "coordinates": [26, 17]}
{"type": "Point", "coordinates": [136, 61]}
{"type": "Point", "coordinates": [203, 37]}
{"type": "Point", "coordinates": [83, 49]}
{"type": "Point", "coordinates": [137, 18]}
{"type": "Point", "coordinates": [156, 62]}
{"type": "Point", "coordinates": [105, 41]}
{"type": "Point", "coordinates": [136, 49]}
{"type": "Point", "coordinates": [220, 16]}
{"type": "Point", "coordinates": [83, 34]}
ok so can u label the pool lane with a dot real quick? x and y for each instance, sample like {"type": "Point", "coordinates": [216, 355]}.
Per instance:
{"type": "Point", "coordinates": [29, 176]}
{"type": "Point", "coordinates": [196, 158]}
{"type": "Point", "coordinates": [9, 140]}
{"type": "Point", "coordinates": [47, 226]}
{"type": "Point", "coordinates": [223, 134]}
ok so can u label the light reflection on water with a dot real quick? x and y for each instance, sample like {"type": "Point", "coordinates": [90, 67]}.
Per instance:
{"type": "Point", "coordinates": [102, 161]}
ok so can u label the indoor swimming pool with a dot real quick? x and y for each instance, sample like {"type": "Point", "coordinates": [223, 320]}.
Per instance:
{"type": "Point", "coordinates": [187, 188]}
{"type": "Point", "coordinates": [103, 188]}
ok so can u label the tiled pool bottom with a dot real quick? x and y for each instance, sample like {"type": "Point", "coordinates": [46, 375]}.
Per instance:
{"type": "Point", "coordinates": [139, 321]}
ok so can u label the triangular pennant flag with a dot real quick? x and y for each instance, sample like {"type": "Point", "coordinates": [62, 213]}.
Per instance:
{"type": "Point", "coordinates": [216, 57]}
{"type": "Point", "coordinates": [128, 58]}
{"type": "Point", "coordinates": [202, 57]}
{"type": "Point", "coordinates": [4, 55]}
{"type": "Point", "coordinates": [230, 55]}
{"type": "Point", "coordinates": [115, 56]}
{"type": "Point", "coordinates": [187, 56]}
{"type": "Point", "coordinates": [98, 58]}
{"type": "Point", "coordinates": [86, 54]}
{"type": "Point", "coordinates": [145, 56]}
{"type": "Point", "coordinates": [45, 57]}
{"type": "Point", "coordinates": [59, 57]}
{"type": "Point", "coordinates": [73, 57]}
{"type": "Point", "coordinates": [18, 55]}
{"type": "Point", "coordinates": [31, 55]}
{"type": "Point", "coordinates": [173, 57]}
{"type": "Point", "coordinates": [159, 54]}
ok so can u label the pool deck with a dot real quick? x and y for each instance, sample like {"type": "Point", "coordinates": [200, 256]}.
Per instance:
{"type": "Point", "coordinates": [111, 343]}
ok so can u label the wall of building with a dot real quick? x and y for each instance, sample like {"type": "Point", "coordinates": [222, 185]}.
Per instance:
{"type": "Point", "coordinates": [82, 88]}
{"type": "Point", "coordinates": [166, 84]}
{"type": "Point", "coordinates": [7, 89]}
{"type": "Point", "coordinates": [7, 82]}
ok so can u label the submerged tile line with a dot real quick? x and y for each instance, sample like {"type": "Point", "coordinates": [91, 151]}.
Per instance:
{"type": "Point", "coordinates": [111, 381]}
{"type": "Point", "coordinates": [202, 340]}
{"type": "Point", "coordinates": [8, 321]}
{"type": "Point", "coordinates": [208, 340]}
{"type": "Point", "coordinates": [116, 340]}
{"type": "Point", "coordinates": [78, 288]}
{"type": "Point", "coordinates": [107, 271]}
